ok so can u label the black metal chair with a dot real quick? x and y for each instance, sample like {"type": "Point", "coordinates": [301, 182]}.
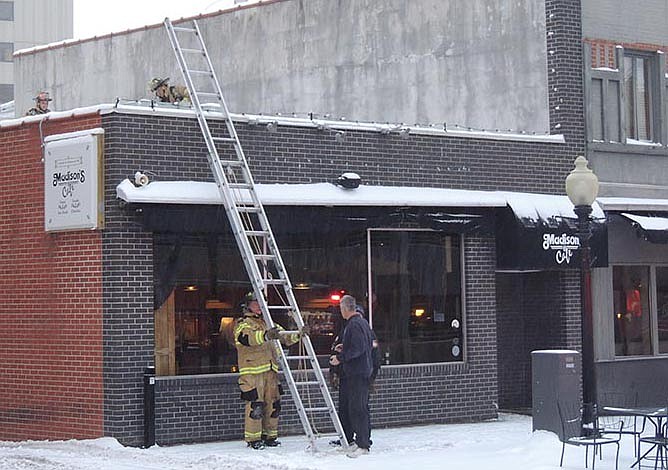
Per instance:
{"type": "Point", "coordinates": [608, 424]}
{"type": "Point", "coordinates": [570, 416]}
{"type": "Point", "coordinates": [658, 442]}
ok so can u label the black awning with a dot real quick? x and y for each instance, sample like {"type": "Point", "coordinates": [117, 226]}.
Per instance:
{"type": "Point", "coordinates": [178, 218]}
{"type": "Point", "coordinates": [650, 227]}
{"type": "Point", "coordinates": [543, 245]}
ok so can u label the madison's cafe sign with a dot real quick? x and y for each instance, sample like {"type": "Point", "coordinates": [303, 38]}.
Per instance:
{"type": "Point", "coordinates": [562, 246]}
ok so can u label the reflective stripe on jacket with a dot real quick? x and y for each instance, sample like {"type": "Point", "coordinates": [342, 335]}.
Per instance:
{"type": "Point", "coordinates": [258, 355]}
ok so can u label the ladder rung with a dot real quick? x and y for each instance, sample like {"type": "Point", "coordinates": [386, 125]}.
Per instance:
{"type": "Point", "coordinates": [279, 307]}
{"type": "Point", "coordinates": [201, 72]}
{"type": "Point", "coordinates": [193, 51]}
{"type": "Point", "coordinates": [208, 93]}
{"type": "Point", "coordinates": [231, 162]}
{"type": "Point", "coordinates": [256, 233]}
{"type": "Point", "coordinates": [249, 209]}
{"type": "Point", "coordinates": [187, 30]}
{"type": "Point", "coordinates": [274, 282]}
{"type": "Point", "coordinates": [317, 408]}
{"type": "Point", "coordinates": [224, 139]}
{"type": "Point", "coordinates": [296, 358]}
{"type": "Point", "coordinates": [308, 382]}
{"type": "Point", "coordinates": [264, 257]}
{"type": "Point", "coordinates": [290, 332]}
{"type": "Point", "coordinates": [240, 186]}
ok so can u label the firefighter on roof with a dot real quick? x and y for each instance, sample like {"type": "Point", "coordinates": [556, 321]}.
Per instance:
{"type": "Point", "coordinates": [168, 94]}
{"type": "Point", "coordinates": [41, 104]}
{"type": "Point", "coordinates": [258, 373]}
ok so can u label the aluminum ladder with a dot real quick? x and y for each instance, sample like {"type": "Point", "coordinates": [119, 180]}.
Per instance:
{"type": "Point", "coordinates": [250, 225]}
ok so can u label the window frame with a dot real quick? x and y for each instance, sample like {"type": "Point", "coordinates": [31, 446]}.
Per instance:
{"type": "Point", "coordinates": [654, 95]}
{"type": "Point", "coordinates": [462, 288]}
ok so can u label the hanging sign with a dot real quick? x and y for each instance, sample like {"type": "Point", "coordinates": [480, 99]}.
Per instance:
{"type": "Point", "coordinates": [73, 181]}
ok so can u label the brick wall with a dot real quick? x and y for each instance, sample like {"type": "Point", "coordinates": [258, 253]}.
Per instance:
{"type": "Point", "coordinates": [603, 50]}
{"type": "Point", "coordinates": [531, 315]}
{"type": "Point", "coordinates": [50, 304]}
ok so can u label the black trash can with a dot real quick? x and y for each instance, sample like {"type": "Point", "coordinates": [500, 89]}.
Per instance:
{"type": "Point", "coordinates": [555, 376]}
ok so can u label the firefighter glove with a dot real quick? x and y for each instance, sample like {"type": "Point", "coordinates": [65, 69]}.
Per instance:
{"type": "Point", "coordinates": [305, 330]}
{"type": "Point", "coordinates": [272, 333]}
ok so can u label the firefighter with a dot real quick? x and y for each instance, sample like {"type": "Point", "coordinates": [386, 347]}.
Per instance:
{"type": "Point", "coordinates": [168, 94]}
{"type": "Point", "coordinates": [41, 104]}
{"type": "Point", "coordinates": [258, 373]}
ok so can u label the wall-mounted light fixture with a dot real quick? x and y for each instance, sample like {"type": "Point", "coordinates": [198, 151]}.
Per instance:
{"type": "Point", "coordinates": [349, 180]}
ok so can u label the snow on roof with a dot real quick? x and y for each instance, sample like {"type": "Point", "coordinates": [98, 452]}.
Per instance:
{"type": "Point", "coordinates": [632, 204]}
{"type": "Point", "coordinates": [526, 206]}
{"type": "Point", "coordinates": [648, 223]}
{"type": "Point", "coordinates": [316, 194]}
{"type": "Point", "coordinates": [149, 107]}
{"type": "Point", "coordinates": [535, 207]}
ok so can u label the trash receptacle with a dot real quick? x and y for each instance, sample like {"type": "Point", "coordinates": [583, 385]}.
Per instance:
{"type": "Point", "coordinates": [555, 376]}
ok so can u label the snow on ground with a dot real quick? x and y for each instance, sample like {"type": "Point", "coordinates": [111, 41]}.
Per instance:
{"type": "Point", "coordinates": [504, 444]}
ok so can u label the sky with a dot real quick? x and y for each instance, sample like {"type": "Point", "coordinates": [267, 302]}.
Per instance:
{"type": "Point", "coordinates": [504, 444]}
{"type": "Point", "coordinates": [95, 17]}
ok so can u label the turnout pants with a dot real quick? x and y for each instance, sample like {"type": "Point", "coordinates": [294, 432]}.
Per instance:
{"type": "Point", "coordinates": [354, 409]}
{"type": "Point", "coordinates": [263, 405]}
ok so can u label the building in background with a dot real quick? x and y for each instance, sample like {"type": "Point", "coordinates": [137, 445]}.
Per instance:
{"type": "Point", "coordinates": [25, 24]}
{"type": "Point", "coordinates": [626, 91]}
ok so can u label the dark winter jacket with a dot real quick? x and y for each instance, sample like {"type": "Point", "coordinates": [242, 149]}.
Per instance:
{"type": "Point", "coordinates": [356, 356]}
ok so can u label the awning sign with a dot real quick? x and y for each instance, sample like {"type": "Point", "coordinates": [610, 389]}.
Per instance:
{"type": "Point", "coordinates": [562, 246]}
{"type": "Point", "coordinates": [73, 181]}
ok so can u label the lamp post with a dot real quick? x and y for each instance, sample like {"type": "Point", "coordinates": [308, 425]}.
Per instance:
{"type": "Point", "coordinates": [582, 188]}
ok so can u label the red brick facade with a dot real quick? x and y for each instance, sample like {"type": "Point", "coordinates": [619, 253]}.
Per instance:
{"type": "Point", "coordinates": [603, 51]}
{"type": "Point", "coordinates": [51, 383]}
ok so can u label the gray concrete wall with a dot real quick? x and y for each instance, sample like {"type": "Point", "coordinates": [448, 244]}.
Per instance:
{"type": "Point", "coordinates": [479, 63]}
{"type": "Point", "coordinates": [638, 21]}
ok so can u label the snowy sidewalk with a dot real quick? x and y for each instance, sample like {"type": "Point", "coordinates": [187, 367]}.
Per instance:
{"type": "Point", "coordinates": [505, 444]}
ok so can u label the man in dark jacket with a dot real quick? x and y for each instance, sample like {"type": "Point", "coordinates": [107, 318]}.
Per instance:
{"type": "Point", "coordinates": [355, 356]}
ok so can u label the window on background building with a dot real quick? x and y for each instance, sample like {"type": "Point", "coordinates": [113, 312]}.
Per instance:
{"type": "Point", "coordinates": [633, 335]}
{"type": "Point", "coordinates": [6, 52]}
{"type": "Point", "coordinates": [6, 11]}
{"type": "Point", "coordinates": [6, 92]}
{"type": "Point", "coordinates": [638, 86]}
{"type": "Point", "coordinates": [416, 285]}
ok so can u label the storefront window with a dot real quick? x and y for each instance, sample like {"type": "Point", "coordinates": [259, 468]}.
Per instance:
{"type": "Point", "coordinates": [416, 291]}
{"type": "Point", "coordinates": [631, 310]}
{"type": "Point", "coordinates": [662, 307]}
{"type": "Point", "coordinates": [200, 283]}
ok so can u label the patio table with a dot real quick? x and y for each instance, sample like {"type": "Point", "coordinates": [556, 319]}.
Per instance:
{"type": "Point", "coordinates": [656, 415]}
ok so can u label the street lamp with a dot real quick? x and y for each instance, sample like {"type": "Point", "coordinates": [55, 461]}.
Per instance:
{"type": "Point", "coordinates": [582, 188]}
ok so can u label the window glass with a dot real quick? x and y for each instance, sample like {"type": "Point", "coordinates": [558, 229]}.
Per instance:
{"type": "Point", "coordinates": [631, 310]}
{"type": "Point", "coordinates": [417, 311]}
{"type": "Point", "coordinates": [6, 11]}
{"type": "Point", "coordinates": [6, 51]}
{"type": "Point", "coordinates": [416, 291]}
{"type": "Point", "coordinates": [662, 307]}
{"type": "Point", "coordinates": [637, 87]}
{"type": "Point", "coordinates": [6, 92]}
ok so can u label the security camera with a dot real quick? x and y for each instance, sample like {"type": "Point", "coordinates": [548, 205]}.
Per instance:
{"type": "Point", "coordinates": [141, 179]}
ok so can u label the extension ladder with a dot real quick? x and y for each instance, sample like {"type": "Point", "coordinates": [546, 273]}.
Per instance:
{"type": "Point", "coordinates": [250, 225]}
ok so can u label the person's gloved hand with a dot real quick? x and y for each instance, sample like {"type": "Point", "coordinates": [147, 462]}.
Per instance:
{"type": "Point", "coordinates": [305, 330]}
{"type": "Point", "coordinates": [272, 333]}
